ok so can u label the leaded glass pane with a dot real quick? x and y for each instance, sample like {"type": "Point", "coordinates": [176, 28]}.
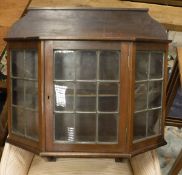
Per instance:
{"type": "Point", "coordinates": [109, 65]}
{"type": "Point", "coordinates": [156, 65]}
{"type": "Point", "coordinates": [107, 128]}
{"type": "Point", "coordinates": [155, 94]}
{"type": "Point", "coordinates": [31, 64]}
{"type": "Point", "coordinates": [17, 92]}
{"type": "Point", "coordinates": [141, 69]}
{"type": "Point", "coordinates": [140, 124]}
{"type": "Point", "coordinates": [17, 63]}
{"type": "Point", "coordinates": [87, 89]}
{"type": "Point", "coordinates": [85, 125]}
{"type": "Point", "coordinates": [86, 65]}
{"type": "Point", "coordinates": [64, 62]}
{"type": "Point", "coordinates": [140, 96]}
{"type": "Point", "coordinates": [24, 102]}
{"type": "Point", "coordinates": [148, 94]}
{"type": "Point", "coordinates": [154, 122]}
{"type": "Point", "coordinates": [64, 127]}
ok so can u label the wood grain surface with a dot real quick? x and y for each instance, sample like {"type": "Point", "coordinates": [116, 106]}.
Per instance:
{"type": "Point", "coordinates": [79, 166]}
{"type": "Point", "coordinates": [17, 160]}
{"type": "Point", "coordinates": [167, 15]}
{"type": "Point", "coordinates": [146, 164]}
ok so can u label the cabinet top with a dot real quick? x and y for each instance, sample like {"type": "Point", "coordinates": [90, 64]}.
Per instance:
{"type": "Point", "coordinates": [87, 24]}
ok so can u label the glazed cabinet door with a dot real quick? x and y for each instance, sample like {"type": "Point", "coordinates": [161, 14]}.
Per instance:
{"type": "Point", "coordinates": [24, 92]}
{"type": "Point", "coordinates": [150, 86]}
{"type": "Point", "coordinates": [84, 91]}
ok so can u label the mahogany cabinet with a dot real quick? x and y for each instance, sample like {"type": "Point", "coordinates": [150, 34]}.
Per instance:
{"type": "Point", "coordinates": [87, 82]}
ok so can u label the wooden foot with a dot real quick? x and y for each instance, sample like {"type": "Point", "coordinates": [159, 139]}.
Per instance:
{"type": "Point", "coordinates": [51, 159]}
{"type": "Point", "coordinates": [121, 160]}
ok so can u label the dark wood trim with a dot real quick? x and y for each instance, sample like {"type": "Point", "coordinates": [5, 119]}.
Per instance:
{"type": "Point", "coordinates": [152, 40]}
{"type": "Point", "coordinates": [125, 93]}
{"type": "Point", "coordinates": [146, 142]}
{"type": "Point", "coordinates": [88, 45]}
{"type": "Point", "coordinates": [19, 39]}
{"type": "Point", "coordinates": [23, 44]}
{"type": "Point", "coordinates": [68, 38]}
{"type": "Point", "coordinates": [148, 46]}
{"type": "Point", "coordinates": [41, 82]}
{"type": "Point", "coordinates": [86, 8]}
{"type": "Point", "coordinates": [131, 93]}
{"type": "Point", "coordinates": [49, 94]}
{"type": "Point", "coordinates": [84, 155]}
{"type": "Point", "coordinates": [20, 138]}
{"type": "Point", "coordinates": [23, 146]}
{"type": "Point", "coordinates": [147, 147]}
{"type": "Point", "coordinates": [164, 90]}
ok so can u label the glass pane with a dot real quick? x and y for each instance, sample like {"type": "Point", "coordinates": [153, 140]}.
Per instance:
{"type": "Point", "coordinates": [155, 94]}
{"type": "Point", "coordinates": [86, 89]}
{"type": "Point", "coordinates": [18, 120]}
{"type": "Point", "coordinates": [86, 96]}
{"type": "Point", "coordinates": [108, 104]}
{"type": "Point", "coordinates": [108, 89]}
{"type": "Point", "coordinates": [85, 127]}
{"type": "Point", "coordinates": [140, 96]}
{"type": "Point", "coordinates": [154, 118]}
{"type": "Point", "coordinates": [31, 94]}
{"type": "Point", "coordinates": [139, 131]}
{"type": "Point", "coordinates": [64, 62]}
{"type": "Point", "coordinates": [86, 65]}
{"type": "Point", "coordinates": [17, 63]}
{"type": "Point", "coordinates": [109, 65]}
{"type": "Point", "coordinates": [31, 64]}
{"type": "Point", "coordinates": [107, 128]}
{"type": "Point", "coordinates": [64, 96]}
{"type": "Point", "coordinates": [142, 59]}
{"type": "Point", "coordinates": [156, 65]}
{"type": "Point", "coordinates": [32, 124]}
{"type": "Point", "coordinates": [17, 92]}
{"type": "Point", "coordinates": [64, 127]}
{"type": "Point", "coordinates": [86, 104]}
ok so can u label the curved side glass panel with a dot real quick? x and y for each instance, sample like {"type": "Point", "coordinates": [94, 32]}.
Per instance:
{"type": "Point", "coordinates": [86, 92]}
{"type": "Point", "coordinates": [148, 94]}
{"type": "Point", "coordinates": [24, 89]}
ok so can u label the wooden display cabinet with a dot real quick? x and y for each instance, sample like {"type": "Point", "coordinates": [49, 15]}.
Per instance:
{"type": "Point", "coordinates": [87, 82]}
